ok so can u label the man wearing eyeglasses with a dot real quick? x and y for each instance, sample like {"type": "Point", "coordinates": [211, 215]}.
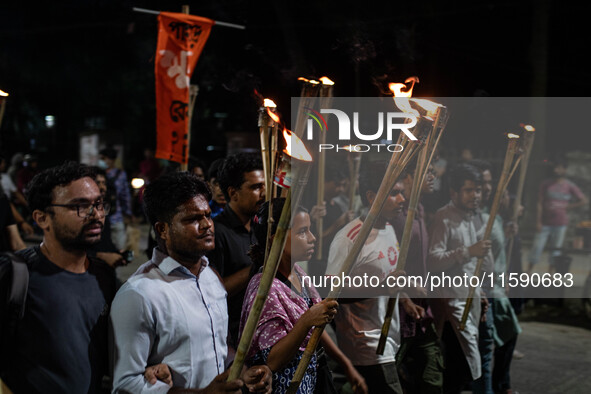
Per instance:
{"type": "Point", "coordinates": [60, 343]}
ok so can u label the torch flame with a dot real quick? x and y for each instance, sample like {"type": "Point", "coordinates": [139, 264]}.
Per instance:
{"type": "Point", "coordinates": [269, 103]}
{"type": "Point", "coordinates": [326, 81]}
{"type": "Point", "coordinates": [529, 127]}
{"type": "Point", "coordinates": [295, 147]}
{"type": "Point", "coordinates": [401, 97]}
{"type": "Point", "coordinates": [511, 135]}
{"type": "Point", "coordinates": [273, 115]}
{"type": "Point", "coordinates": [3, 93]}
{"type": "Point", "coordinates": [313, 82]}
{"type": "Point", "coordinates": [396, 88]}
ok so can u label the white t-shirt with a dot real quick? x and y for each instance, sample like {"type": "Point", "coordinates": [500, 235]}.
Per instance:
{"type": "Point", "coordinates": [359, 324]}
{"type": "Point", "coordinates": [7, 184]}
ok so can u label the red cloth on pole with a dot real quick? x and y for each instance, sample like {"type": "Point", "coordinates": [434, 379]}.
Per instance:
{"type": "Point", "coordinates": [181, 38]}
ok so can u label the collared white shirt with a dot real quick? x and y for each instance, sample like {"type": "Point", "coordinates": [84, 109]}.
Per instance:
{"type": "Point", "coordinates": [165, 314]}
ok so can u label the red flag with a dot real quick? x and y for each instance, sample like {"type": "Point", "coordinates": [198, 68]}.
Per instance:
{"type": "Point", "coordinates": [181, 38]}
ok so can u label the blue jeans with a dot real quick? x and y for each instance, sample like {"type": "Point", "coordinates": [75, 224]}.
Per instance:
{"type": "Point", "coordinates": [486, 345]}
{"type": "Point", "coordinates": [556, 234]}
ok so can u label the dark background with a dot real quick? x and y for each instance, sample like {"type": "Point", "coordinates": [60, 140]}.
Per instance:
{"type": "Point", "coordinates": [90, 63]}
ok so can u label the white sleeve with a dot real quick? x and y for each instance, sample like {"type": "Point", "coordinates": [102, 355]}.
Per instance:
{"type": "Point", "coordinates": [339, 249]}
{"type": "Point", "coordinates": [134, 336]}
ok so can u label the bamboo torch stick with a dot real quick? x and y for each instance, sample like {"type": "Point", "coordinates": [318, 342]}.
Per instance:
{"type": "Point", "coordinates": [423, 163]}
{"type": "Point", "coordinates": [270, 266]}
{"type": "Point", "coordinates": [512, 150]}
{"type": "Point", "coordinates": [415, 191]}
{"type": "Point", "coordinates": [392, 173]}
{"type": "Point", "coordinates": [353, 175]}
{"type": "Point", "coordinates": [310, 89]}
{"type": "Point", "coordinates": [264, 119]}
{"type": "Point", "coordinates": [324, 102]}
{"type": "Point", "coordinates": [4, 97]}
{"type": "Point", "coordinates": [269, 184]}
{"type": "Point", "coordinates": [269, 273]}
{"type": "Point", "coordinates": [528, 142]}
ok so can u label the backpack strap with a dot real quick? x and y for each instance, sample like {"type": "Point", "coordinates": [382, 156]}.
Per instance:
{"type": "Point", "coordinates": [18, 288]}
{"type": "Point", "coordinates": [16, 276]}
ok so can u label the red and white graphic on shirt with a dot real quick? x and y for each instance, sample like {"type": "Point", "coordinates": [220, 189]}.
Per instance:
{"type": "Point", "coordinates": [354, 232]}
{"type": "Point", "coordinates": [392, 256]}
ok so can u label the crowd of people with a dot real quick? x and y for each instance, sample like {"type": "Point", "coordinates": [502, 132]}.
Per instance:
{"type": "Point", "coordinates": [68, 326]}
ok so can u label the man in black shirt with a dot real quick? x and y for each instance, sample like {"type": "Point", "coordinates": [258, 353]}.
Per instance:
{"type": "Point", "coordinates": [60, 344]}
{"type": "Point", "coordinates": [243, 183]}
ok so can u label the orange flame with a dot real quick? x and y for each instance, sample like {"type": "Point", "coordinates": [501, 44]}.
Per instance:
{"type": "Point", "coordinates": [295, 147]}
{"type": "Point", "coordinates": [396, 88]}
{"type": "Point", "coordinates": [3, 93]}
{"type": "Point", "coordinates": [529, 127]}
{"type": "Point", "coordinates": [511, 135]}
{"type": "Point", "coordinates": [326, 81]}
{"type": "Point", "coordinates": [273, 115]}
{"type": "Point", "coordinates": [401, 97]}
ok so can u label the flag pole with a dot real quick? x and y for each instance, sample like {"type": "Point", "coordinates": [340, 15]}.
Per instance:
{"type": "Point", "coordinates": [185, 166]}
{"type": "Point", "coordinates": [218, 23]}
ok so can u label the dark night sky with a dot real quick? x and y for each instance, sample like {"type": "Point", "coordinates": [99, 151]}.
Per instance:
{"type": "Point", "coordinates": [94, 59]}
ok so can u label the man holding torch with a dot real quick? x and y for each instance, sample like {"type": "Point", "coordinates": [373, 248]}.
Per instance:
{"type": "Point", "coordinates": [453, 251]}
{"type": "Point", "coordinates": [359, 320]}
{"type": "Point", "coordinates": [172, 312]}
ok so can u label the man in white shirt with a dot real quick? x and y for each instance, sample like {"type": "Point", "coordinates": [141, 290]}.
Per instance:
{"type": "Point", "coordinates": [454, 248]}
{"type": "Point", "coordinates": [173, 310]}
{"type": "Point", "coordinates": [362, 309]}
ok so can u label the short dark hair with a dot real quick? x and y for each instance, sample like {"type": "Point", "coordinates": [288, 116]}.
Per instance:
{"type": "Point", "coordinates": [335, 172]}
{"type": "Point", "coordinates": [260, 224]}
{"type": "Point", "coordinates": [195, 162]}
{"type": "Point", "coordinates": [163, 196]}
{"type": "Point", "coordinates": [98, 171]}
{"type": "Point", "coordinates": [464, 172]}
{"type": "Point", "coordinates": [39, 192]}
{"type": "Point", "coordinates": [482, 165]}
{"type": "Point", "coordinates": [232, 172]}
{"type": "Point", "coordinates": [111, 153]}
{"type": "Point", "coordinates": [370, 178]}
{"type": "Point", "coordinates": [560, 161]}
{"type": "Point", "coordinates": [214, 168]}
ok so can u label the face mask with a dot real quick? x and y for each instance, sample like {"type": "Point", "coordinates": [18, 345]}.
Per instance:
{"type": "Point", "coordinates": [102, 164]}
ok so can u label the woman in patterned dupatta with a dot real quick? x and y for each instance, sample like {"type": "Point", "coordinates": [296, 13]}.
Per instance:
{"type": "Point", "coordinates": [291, 311]}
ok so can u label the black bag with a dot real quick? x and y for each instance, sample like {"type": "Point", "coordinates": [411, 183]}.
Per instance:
{"type": "Point", "coordinates": [324, 380]}
{"type": "Point", "coordinates": [14, 277]}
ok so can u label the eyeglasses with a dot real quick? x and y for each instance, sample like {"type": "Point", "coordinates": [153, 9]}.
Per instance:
{"type": "Point", "coordinates": [86, 209]}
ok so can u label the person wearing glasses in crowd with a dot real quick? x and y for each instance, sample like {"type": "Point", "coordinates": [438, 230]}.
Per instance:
{"type": "Point", "coordinates": [60, 343]}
